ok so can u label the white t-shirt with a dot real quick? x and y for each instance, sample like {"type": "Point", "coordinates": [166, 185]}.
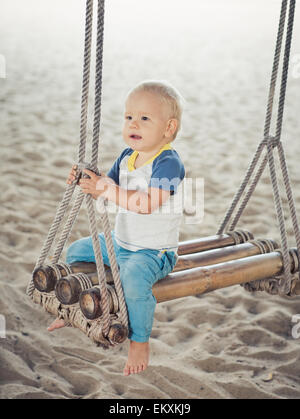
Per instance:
{"type": "Point", "coordinates": [160, 229]}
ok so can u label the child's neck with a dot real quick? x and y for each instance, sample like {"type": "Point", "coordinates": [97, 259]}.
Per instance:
{"type": "Point", "coordinates": [144, 156]}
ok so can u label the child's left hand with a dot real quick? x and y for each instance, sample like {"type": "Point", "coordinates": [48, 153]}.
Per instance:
{"type": "Point", "coordinates": [95, 185]}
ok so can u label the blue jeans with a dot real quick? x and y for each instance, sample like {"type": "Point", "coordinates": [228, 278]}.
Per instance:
{"type": "Point", "coordinates": [139, 271]}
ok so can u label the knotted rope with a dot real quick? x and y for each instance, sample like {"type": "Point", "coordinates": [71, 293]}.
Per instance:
{"type": "Point", "coordinates": [104, 321]}
{"type": "Point", "coordinates": [270, 142]}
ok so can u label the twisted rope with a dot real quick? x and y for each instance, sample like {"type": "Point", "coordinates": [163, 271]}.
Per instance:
{"type": "Point", "coordinates": [251, 188]}
{"type": "Point", "coordinates": [86, 79]}
{"type": "Point", "coordinates": [99, 264]}
{"type": "Point", "coordinates": [290, 197]}
{"type": "Point", "coordinates": [241, 189]}
{"type": "Point", "coordinates": [74, 212]}
{"type": "Point", "coordinates": [105, 221]}
{"type": "Point", "coordinates": [274, 74]}
{"type": "Point", "coordinates": [52, 233]}
{"type": "Point", "coordinates": [60, 212]}
{"type": "Point", "coordinates": [56, 266]}
{"type": "Point", "coordinates": [267, 125]}
{"type": "Point", "coordinates": [113, 261]}
{"type": "Point", "coordinates": [68, 227]}
{"type": "Point", "coordinates": [285, 284]}
{"type": "Point", "coordinates": [105, 319]}
{"type": "Point", "coordinates": [271, 142]}
{"type": "Point", "coordinates": [91, 213]}
{"type": "Point", "coordinates": [98, 83]}
{"type": "Point", "coordinates": [84, 281]}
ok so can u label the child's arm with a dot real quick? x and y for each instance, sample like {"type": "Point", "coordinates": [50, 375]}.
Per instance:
{"type": "Point", "coordinates": [136, 201]}
{"type": "Point", "coordinates": [132, 200]}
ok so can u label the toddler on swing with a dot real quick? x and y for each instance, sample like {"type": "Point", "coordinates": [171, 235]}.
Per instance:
{"type": "Point", "coordinates": [142, 182]}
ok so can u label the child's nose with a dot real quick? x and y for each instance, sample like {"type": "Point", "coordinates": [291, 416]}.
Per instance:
{"type": "Point", "coordinates": [134, 123]}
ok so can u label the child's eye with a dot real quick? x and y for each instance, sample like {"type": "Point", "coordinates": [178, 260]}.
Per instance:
{"type": "Point", "coordinates": [145, 118]}
{"type": "Point", "coordinates": [128, 117]}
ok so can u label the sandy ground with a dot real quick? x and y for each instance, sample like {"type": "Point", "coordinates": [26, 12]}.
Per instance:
{"type": "Point", "coordinates": [227, 344]}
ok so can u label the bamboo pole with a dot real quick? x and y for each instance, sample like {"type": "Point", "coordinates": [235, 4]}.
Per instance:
{"type": "Point", "coordinates": [201, 280]}
{"type": "Point", "coordinates": [45, 277]}
{"type": "Point", "coordinates": [90, 303]}
{"type": "Point", "coordinates": [224, 254]}
{"type": "Point", "coordinates": [117, 333]}
{"type": "Point", "coordinates": [68, 289]}
{"type": "Point", "coordinates": [213, 242]}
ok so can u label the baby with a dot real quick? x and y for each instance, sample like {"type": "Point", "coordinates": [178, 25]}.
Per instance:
{"type": "Point", "coordinates": [142, 182]}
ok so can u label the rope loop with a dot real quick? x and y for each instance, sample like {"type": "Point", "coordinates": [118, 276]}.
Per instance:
{"type": "Point", "coordinates": [62, 265]}
{"type": "Point", "coordinates": [271, 140]}
{"type": "Point", "coordinates": [85, 165]}
{"type": "Point", "coordinates": [84, 281]}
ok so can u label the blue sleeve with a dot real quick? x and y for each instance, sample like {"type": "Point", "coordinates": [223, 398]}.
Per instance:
{"type": "Point", "coordinates": [167, 172]}
{"type": "Point", "coordinates": [114, 172]}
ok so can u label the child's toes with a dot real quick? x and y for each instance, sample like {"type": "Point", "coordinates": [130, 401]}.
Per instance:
{"type": "Point", "coordinates": [126, 370]}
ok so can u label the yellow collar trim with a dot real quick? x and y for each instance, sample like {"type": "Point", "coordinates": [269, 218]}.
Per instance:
{"type": "Point", "coordinates": [132, 158]}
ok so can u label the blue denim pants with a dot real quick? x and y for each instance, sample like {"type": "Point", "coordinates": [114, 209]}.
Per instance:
{"type": "Point", "coordinates": [139, 271]}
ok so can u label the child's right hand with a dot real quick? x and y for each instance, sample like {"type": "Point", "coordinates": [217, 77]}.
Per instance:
{"type": "Point", "coordinates": [72, 175]}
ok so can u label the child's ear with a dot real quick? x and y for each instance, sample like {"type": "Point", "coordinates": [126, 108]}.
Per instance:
{"type": "Point", "coordinates": [171, 127]}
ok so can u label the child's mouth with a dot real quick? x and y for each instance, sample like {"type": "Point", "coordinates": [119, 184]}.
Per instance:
{"type": "Point", "coordinates": [135, 137]}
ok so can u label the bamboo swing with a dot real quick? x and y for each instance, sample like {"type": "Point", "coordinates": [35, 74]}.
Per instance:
{"type": "Point", "coordinates": [89, 296]}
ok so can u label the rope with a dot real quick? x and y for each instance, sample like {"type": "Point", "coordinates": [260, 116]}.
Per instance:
{"type": "Point", "coordinates": [241, 189]}
{"type": "Point", "coordinates": [61, 265]}
{"type": "Point", "coordinates": [74, 212]}
{"type": "Point", "coordinates": [98, 83]}
{"type": "Point", "coordinates": [290, 198]}
{"type": "Point", "coordinates": [84, 281]}
{"type": "Point", "coordinates": [68, 227]}
{"type": "Point", "coordinates": [60, 212]}
{"type": "Point", "coordinates": [275, 68]}
{"type": "Point", "coordinates": [270, 142]}
{"type": "Point", "coordinates": [285, 284]}
{"type": "Point", "coordinates": [52, 233]}
{"type": "Point", "coordinates": [113, 261]}
{"type": "Point", "coordinates": [86, 79]}
{"type": "Point", "coordinates": [104, 321]}
{"type": "Point", "coordinates": [268, 118]}
{"type": "Point", "coordinates": [99, 264]}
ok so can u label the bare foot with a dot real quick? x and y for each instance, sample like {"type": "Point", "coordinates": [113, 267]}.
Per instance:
{"type": "Point", "coordinates": [138, 358]}
{"type": "Point", "coordinates": [57, 324]}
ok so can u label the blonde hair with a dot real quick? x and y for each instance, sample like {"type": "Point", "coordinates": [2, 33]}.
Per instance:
{"type": "Point", "coordinates": [169, 95]}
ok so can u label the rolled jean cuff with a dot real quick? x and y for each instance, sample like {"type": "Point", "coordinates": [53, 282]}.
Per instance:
{"type": "Point", "coordinates": [136, 338]}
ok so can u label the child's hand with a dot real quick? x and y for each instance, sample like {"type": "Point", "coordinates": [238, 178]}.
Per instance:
{"type": "Point", "coordinates": [72, 175]}
{"type": "Point", "coordinates": [95, 185]}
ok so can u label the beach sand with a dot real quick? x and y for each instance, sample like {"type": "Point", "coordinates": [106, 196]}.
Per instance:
{"type": "Point", "coordinates": [226, 344]}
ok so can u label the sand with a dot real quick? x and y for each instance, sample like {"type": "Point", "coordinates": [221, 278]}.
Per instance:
{"type": "Point", "coordinates": [227, 344]}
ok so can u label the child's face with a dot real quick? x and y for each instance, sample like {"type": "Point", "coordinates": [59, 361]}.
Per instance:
{"type": "Point", "coordinates": [146, 125]}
